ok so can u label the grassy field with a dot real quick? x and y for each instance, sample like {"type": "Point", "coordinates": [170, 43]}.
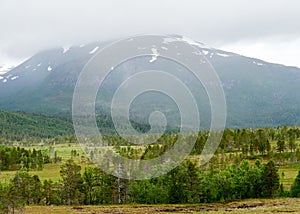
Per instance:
{"type": "Point", "coordinates": [289, 176]}
{"type": "Point", "coordinates": [246, 206]}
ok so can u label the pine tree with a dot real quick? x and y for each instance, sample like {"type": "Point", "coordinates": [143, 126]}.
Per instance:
{"type": "Point", "coordinates": [71, 181]}
{"type": "Point", "coordinates": [280, 145]}
{"type": "Point", "coordinates": [295, 188]}
{"type": "Point", "coordinates": [89, 184]}
{"type": "Point", "coordinates": [270, 179]}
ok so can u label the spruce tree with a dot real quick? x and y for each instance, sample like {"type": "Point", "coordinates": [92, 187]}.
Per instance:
{"type": "Point", "coordinates": [270, 179]}
{"type": "Point", "coordinates": [295, 188]}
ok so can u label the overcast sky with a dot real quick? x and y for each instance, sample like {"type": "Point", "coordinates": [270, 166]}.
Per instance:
{"type": "Point", "coordinates": [266, 29]}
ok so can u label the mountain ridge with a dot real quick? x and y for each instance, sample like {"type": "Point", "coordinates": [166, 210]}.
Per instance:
{"type": "Point", "coordinates": [258, 93]}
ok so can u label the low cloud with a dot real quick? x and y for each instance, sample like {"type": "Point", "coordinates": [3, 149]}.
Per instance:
{"type": "Point", "coordinates": [33, 25]}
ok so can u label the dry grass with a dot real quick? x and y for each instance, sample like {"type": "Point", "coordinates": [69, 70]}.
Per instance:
{"type": "Point", "coordinates": [247, 206]}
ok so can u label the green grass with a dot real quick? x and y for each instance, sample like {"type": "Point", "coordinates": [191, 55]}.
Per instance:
{"type": "Point", "coordinates": [289, 176]}
{"type": "Point", "coordinates": [50, 171]}
{"type": "Point", "coordinates": [5, 176]}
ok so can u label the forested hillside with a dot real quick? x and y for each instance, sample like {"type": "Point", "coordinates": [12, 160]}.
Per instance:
{"type": "Point", "coordinates": [18, 125]}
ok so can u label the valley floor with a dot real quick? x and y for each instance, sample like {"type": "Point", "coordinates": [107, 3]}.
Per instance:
{"type": "Point", "coordinates": [246, 206]}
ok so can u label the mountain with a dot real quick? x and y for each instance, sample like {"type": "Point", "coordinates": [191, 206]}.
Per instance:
{"type": "Point", "coordinates": [46, 78]}
{"type": "Point", "coordinates": [258, 93]}
{"type": "Point", "coordinates": [4, 68]}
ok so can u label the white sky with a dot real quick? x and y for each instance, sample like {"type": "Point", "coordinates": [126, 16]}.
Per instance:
{"type": "Point", "coordinates": [265, 29]}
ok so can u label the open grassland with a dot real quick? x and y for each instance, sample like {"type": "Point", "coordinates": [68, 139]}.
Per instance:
{"type": "Point", "coordinates": [288, 176]}
{"type": "Point", "coordinates": [246, 206]}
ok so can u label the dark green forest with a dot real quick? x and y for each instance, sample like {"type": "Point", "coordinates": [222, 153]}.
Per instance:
{"type": "Point", "coordinates": [20, 125]}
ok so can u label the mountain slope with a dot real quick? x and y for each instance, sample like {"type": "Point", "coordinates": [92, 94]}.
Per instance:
{"type": "Point", "coordinates": [20, 125]}
{"type": "Point", "coordinates": [258, 93]}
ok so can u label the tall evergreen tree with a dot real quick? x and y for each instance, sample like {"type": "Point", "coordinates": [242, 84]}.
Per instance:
{"type": "Point", "coordinates": [270, 179]}
{"type": "Point", "coordinates": [71, 182]}
{"type": "Point", "coordinates": [295, 188]}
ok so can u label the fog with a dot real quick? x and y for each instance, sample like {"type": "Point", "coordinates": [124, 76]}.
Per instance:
{"type": "Point", "coordinates": [266, 29]}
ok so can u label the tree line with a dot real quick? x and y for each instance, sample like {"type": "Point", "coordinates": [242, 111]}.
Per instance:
{"type": "Point", "coordinates": [187, 183]}
{"type": "Point", "coordinates": [16, 158]}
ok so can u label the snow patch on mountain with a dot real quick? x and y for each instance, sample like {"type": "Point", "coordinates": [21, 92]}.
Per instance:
{"type": "Point", "coordinates": [194, 43]}
{"type": "Point", "coordinates": [49, 68]}
{"type": "Point", "coordinates": [223, 55]}
{"type": "Point", "coordinates": [155, 54]}
{"type": "Point", "coordinates": [185, 39]}
{"type": "Point", "coordinates": [258, 63]}
{"type": "Point", "coordinates": [205, 52]}
{"type": "Point", "coordinates": [170, 40]}
{"type": "Point", "coordinates": [94, 50]}
{"type": "Point", "coordinates": [5, 68]}
{"type": "Point", "coordinates": [65, 49]}
{"type": "Point", "coordinates": [15, 77]}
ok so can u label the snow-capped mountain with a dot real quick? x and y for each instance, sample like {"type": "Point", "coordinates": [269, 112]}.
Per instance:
{"type": "Point", "coordinates": [258, 93]}
{"type": "Point", "coordinates": [4, 68]}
